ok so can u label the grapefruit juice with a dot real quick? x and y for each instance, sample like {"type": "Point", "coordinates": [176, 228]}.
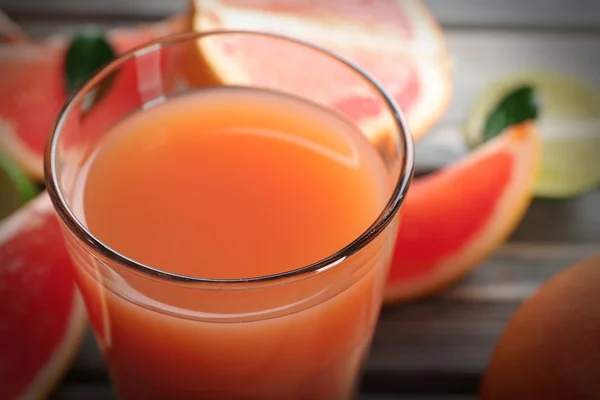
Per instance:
{"type": "Point", "coordinates": [232, 185]}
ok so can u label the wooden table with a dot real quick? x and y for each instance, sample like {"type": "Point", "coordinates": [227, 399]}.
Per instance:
{"type": "Point", "coordinates": [438, 347]}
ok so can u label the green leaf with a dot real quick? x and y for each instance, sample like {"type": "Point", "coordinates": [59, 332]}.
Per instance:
{"type": "Point", "coordinates": [516, 107]}
{"type": "Point", "coordinates": [87, 53]}
{"type": "Point", "coordinates": [16, 188]}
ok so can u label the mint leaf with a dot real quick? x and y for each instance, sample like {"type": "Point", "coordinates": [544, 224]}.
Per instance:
{"type": "Point", "coordinates": [516, 107]}
{"type": "Point", "coordinates": [87, 53]}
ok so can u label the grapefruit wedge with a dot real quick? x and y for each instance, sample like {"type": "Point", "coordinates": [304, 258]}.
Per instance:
{"type": "Point", "coordinates": [33, 93]}
{"type": "Point", "coordinates": [42, 317]}
{"type": "Point", "coordinates": [454, 218]}
{"type": "Point", "coordinates": [397, 41]}
{"type": "Point", "coordinates": [33, 89]}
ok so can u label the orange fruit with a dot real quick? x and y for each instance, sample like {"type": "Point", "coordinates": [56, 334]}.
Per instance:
{"type": "Point", "coordinates": [43, 318]}
{"type": "Point", "coordinates": [551, 347]}
{"type": "Point", "coordinates": [454, 218]}
{"type": "Point", "coordinates": [397, 41]}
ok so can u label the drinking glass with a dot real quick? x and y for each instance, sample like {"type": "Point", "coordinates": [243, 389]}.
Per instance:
{"type": "Point", "coordinates": [300, 334]}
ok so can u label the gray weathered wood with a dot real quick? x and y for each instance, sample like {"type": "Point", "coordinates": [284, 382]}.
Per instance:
{"type": "Point", "coordinates": [574, 14]}
{"type": "Point", "coordinates": [85, 391]}
{"type": "Point", "coordinates": [574, 221]}
{"type": "Point", "coordinates": [515, 13]}
{"type": "Point", "coordinates": [369, 396]}
{"type": "Point", "coordinates": [103, 392]}
{"type": "Point", "coordinates": [84, 9]}
{"type": "Point", "coordinates": [481, 57]}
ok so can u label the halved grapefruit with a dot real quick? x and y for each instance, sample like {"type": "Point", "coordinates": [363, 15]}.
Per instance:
{"type": "Point", "coordinates": [43, 318]}
{"type": "Point", "coordinates": [454, 218]}
{"type": "Point", "coordinates": [33, 88]}
{"type": "Point", "coordinates": [397, 41]}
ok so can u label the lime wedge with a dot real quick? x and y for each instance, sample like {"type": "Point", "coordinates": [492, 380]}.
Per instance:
{"type": "Point", "coordinates": [568, 122]}
{"type": "Point", "coordinates": [16, 188]}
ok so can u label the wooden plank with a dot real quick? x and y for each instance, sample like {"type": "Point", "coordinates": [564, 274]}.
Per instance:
{"type": "Point", "coordinates": [574, 221]}
{"type": "Point", "coordinates": [483, 56]}
{"type": "Point", "coordinates": [368, 396]}
{"type": "Point", "coordinates": [84, 391]}
{"type": "Point", "coordinates": [104, 392]}
{"type": "Point", "coordinates": [90, 9]}
{"type": "Point", "coordinates": [572, 14]}
{"type": "Point", "coordinates": [578, 14]}
{"type": "Point", "coordinates": [39, 28]}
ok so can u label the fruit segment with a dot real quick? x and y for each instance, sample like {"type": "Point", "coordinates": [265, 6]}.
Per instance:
{"type": "Point", "coordinates": [454, 218]}
{"type": "Point", "coordinates": [43, 319]}
{"type": "Point", "coordinates": [397, 41]}
{"type": "Point", "coordinates": [32, 90]}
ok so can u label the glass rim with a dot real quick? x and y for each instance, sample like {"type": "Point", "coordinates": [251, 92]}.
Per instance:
{"type": "Point", "coordinates": [76, 227]}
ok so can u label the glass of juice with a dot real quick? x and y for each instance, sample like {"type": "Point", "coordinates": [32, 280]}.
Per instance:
{"type": "Point", "coordinates": [230, 201]}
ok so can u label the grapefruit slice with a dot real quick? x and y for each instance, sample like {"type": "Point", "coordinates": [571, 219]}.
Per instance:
{"type": "Point", "coordinates": [397, 41]}
{"type": "Point", "coordinates": [33, 93]}
{"type": "Point", "coordinates": [43, 319]}
{"type": "Point", "coordinates": [33, 88]}
{"type": "Point", "coordinates": [454, 218]}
